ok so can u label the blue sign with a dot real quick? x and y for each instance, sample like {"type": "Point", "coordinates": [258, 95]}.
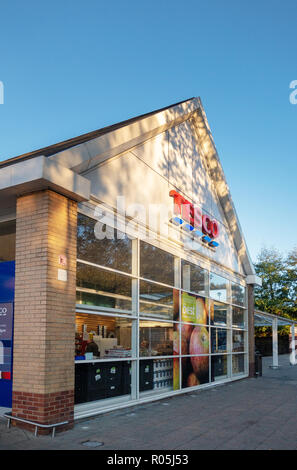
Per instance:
{"type": "Point", "coordinates": [7, 270]}
{"type": "Point", "coordinates": [6, 319]}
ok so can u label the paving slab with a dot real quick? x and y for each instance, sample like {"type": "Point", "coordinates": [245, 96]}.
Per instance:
{"type": "Point", "coordinates": [247, 414]}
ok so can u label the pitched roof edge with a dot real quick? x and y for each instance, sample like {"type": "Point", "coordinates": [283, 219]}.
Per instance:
{"type": "Point", "coordinates": [69, 143]}
{"type": "Point", "coordinates": [219, 180]}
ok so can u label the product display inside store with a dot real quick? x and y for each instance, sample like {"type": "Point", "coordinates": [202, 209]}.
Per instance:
{"type": "Point", "coordinates": [99, 336]}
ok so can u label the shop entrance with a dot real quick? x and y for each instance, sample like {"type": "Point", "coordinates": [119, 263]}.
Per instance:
{"type": "Point", "coordinates": [7, 274]}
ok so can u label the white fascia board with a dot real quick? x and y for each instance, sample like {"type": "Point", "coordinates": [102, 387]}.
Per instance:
{"type": "Point", "coordinates": [254, 279]}
{"type": "Point", "coordinates": [41, 173]}
{"type": "Point", "coordinates": [210, 153]}
{"type": "Point", "coordinates": [85, 156]}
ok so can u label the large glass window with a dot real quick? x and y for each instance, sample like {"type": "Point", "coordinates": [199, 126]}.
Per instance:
{"type": "Point", "coordinates": [238, 317]}
{"type": "Point", "coordinates": [238, 340]}
{"type": "Point", "coordinates": [99, 338]}
{"type": "Point", "coordinates": [194, 278]}
{"type": "Point", "coordinates": [218, 313]}
{"type": "Point", "coordinates": [102, 380]}
{"type": "Point", "coordinates": [218, 287]}
{"type": "Point", "coordinates": [156, 264]}
{"type": "Point", "coordinates": [156, 338]}
{"type": "Point", "coordinates": [158, 375]}
{"type": "Point", "coordinates": [195, 371]}
{"type": "Point", "coordinates": [103, 336]}
{"type": "Point", "coordinates": [7, 241]}
{"type": "Point", "coordinates": [194, 340]}
{"type": "Point", "coordinates": [218, 340]}
{"type": "Point", "coordinates": [102, 288]}
{"type": "Point", "coordinates": [194, 309]}
{"type": "Point", "coordinates": [237, 294]}
{"type": "Point", "coordinates": [158, 301]}
{"type": "Point", "coordinates": [184, 336]}
{"type": "Point", "coordinates": [114, 252]}
{"type": "Point", "coordinates": [219, 367]}
{"type": "Point", "coordinates": [238, 364]}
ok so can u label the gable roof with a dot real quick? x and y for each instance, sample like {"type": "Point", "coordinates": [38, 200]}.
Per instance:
{"type": "Point", "coordinates": [67, 144]}
{"type": "Point", "coordinates": [84, 152]}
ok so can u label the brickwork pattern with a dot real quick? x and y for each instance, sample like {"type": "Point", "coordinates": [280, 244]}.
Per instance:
{"type": "Point", "coordinates": [44, 318]}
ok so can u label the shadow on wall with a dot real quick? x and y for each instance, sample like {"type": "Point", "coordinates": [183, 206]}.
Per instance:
{"type": "Point", "coordinates": [146, 173]}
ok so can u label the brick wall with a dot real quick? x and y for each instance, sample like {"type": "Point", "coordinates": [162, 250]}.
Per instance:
{"type": "Point", "coordinates": [44, 318]}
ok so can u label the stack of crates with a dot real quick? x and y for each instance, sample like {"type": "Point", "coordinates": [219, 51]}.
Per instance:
{"type": "Point", "coordinates": [163, 373]}
{"type": "Point", "coordinates": [95, 381]}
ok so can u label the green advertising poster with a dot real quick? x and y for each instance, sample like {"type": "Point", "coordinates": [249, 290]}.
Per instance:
{"type": "Point", "coordinates": [188, 308]}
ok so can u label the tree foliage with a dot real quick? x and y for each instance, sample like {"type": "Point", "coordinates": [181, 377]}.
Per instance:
{"type": "Point", "coordinates": [278, 294]}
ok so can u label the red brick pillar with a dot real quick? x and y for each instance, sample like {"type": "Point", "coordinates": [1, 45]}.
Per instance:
{"type": "Point", "coordinates": [44, 316]}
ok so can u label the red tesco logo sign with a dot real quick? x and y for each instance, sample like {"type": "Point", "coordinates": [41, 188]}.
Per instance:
{"type": "Point", "coordinates": [194, 216]}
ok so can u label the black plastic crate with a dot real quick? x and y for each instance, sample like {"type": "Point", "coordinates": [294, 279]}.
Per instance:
{"type": "Point", "coordinates": [146, 375]}
{"type": "Point", "coordinates": [95, 394]}
{"type": "Point", "coordinates": [126, 378]}
{"type": "Point", "coordinates": [113, 373]}
{"type": "Point", "coordinates": [113, 390]}
{"type": "Point", "coordinates": [80, 385]}
{"type": "Point", "coordinates": [97, 376]}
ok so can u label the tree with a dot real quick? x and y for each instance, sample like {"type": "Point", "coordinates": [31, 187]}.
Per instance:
{"type": "Point", "coordinates": [279, 282]}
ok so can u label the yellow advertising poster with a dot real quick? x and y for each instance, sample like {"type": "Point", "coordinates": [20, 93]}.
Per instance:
{"type": "Point", "coordinates": [188, 308]}
{"type": "Point", "coordinates": [193, 309]}
{"type": "Point", "coordinates": [176, 374]}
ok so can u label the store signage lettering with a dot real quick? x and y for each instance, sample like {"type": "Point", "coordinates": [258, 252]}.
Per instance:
{"type": "Point", "coordinates": [191, 218]}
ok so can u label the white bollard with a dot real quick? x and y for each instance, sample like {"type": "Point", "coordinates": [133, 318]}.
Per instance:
{"type": "Point", "coordinates": [292, 346]}
{"type": "Point", "coordinates": [274, 344]}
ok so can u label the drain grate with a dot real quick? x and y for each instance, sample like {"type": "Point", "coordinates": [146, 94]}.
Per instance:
{"type": "Point", "coordinates": [92, 443]}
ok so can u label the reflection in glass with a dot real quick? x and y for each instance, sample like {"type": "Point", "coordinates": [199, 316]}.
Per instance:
{"type": "Point", "coordinates": [218, 313]}
{"type": "Point", "coordinates": [237, 294]}
{"type": "Point", "coordinates": [218, 340]}
{"type": "Point", "coordinates": [193, 278]}
{"type": "Point", "coordinates": [194, 309]}
{"type": "Point", "coordinates": [158, 301]}
{"type": "Point", "coordinates": [156, 264]}
{"type": "Point", "coordinates": [219, 369]}
{"type": "Point", "coordinates": [103, 288]}
{"type": "Point", "coordinates": [238, 317]}
{"type": "Point", "coordinates": [238, 340]}
{"type": "Point", "coordinates": [113, 251]}
{"type": "Point", "coordinates": [7, 240]}
{"type": "Point", "coordinates": [218, 287]}
{"type": "Point", "coordinates": [111, 335]}
{"type": "Point", "coordinates": [238, 364]}
{"type": "Point", "coordinates": [155, 338]}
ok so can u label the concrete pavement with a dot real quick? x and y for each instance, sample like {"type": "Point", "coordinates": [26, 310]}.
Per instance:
{"type": "Point", "coordinates": [249, 414]}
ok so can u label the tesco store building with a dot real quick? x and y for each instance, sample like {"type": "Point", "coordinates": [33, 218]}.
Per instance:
{"type": "Point", "coordinates": [125, 276]}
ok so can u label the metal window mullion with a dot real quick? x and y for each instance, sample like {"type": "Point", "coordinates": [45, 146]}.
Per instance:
{"type": "Point", "coordinates": [137, 267]}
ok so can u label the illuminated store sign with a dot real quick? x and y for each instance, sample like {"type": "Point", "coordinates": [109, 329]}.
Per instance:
{"type": "Point", "coordinates": [192, 219]}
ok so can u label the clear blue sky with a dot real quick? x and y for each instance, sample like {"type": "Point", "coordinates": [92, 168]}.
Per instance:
{"type": "Point", "coordinates": [70, 67]}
